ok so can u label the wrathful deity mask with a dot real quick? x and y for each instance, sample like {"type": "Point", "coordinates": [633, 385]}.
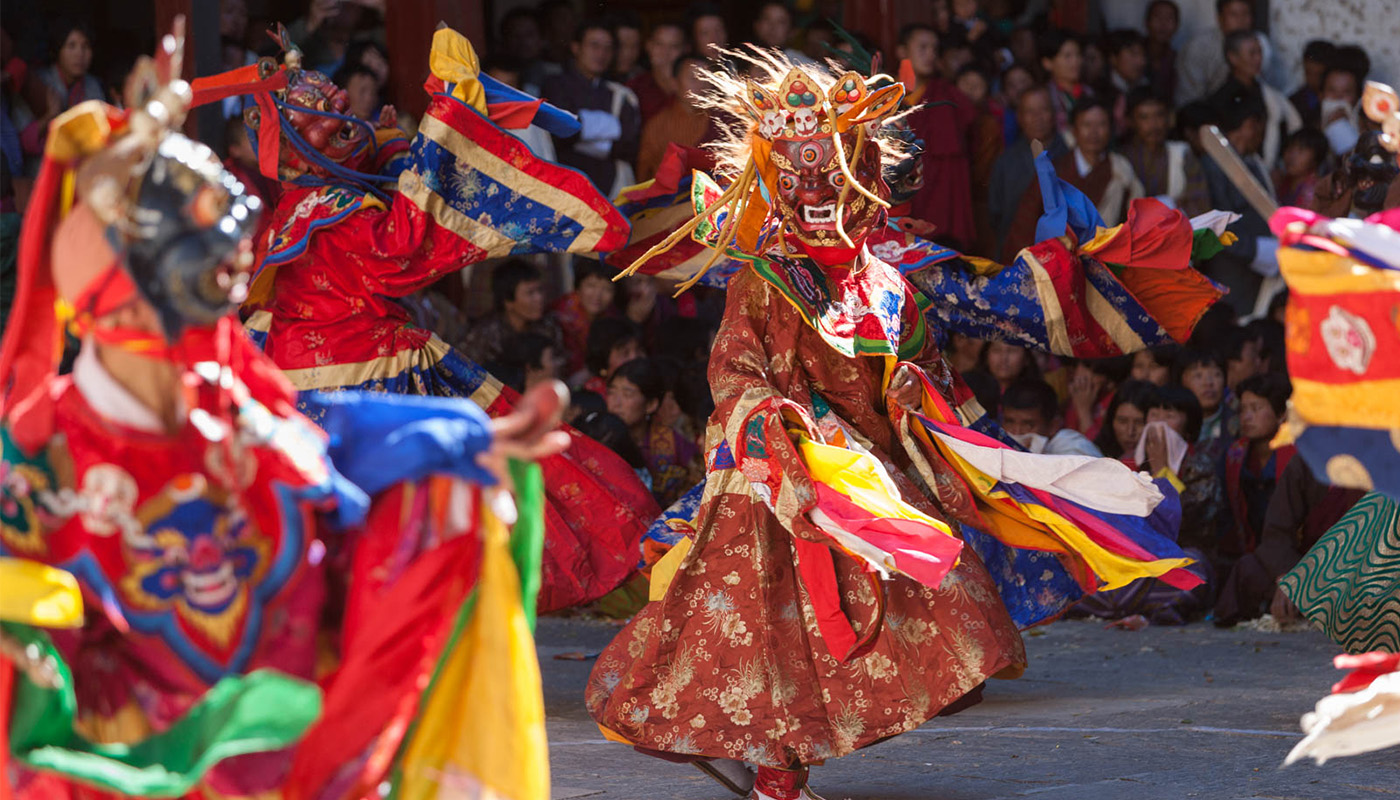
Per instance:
{"type": "Point", "coordinates": [314, 109]}
{"type": "Point", "coordinates": [813, 188]}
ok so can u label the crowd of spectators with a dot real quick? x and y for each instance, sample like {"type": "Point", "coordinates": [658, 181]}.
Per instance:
{"type": "Point", "coordinates": [1120, 112]}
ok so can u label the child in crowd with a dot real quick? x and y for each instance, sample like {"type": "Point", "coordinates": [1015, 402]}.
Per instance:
{"type": "Point", "coordinates": [1203, 372]}
{"type": "Point", "coordinates": [1154, 365]}
{"type": "Point", "coordinates": [1124, 420]}
{"type": "Point", "coordinates": [611, 343]}
{"type": "Point", "coordinates": [1030, 413]}
{"type": "Point", "coordinates": [1295, 180]}
{"type": "Point", "coordinates": [574, 312]}
{"type": "Point", "coordinates": [525, 360]}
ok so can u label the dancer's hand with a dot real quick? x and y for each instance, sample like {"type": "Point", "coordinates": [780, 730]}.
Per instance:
{"type": "Point", "coordinates": [906, 389]}
{"type": "Point", "coordinates": [388, 117]}
{"type": "Point", "coordinates": [530, 433]}
{"type": "Point", "coordinates": [1282, 609]}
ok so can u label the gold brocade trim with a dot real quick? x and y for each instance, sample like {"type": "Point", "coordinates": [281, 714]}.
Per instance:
{"type": "Point", "coordinates": [495, 243]}
{"type": "Point", "coordinates": [259, 322]}
{"type": "Point", "coordinates": [335, 376]}
{"type": "Point", "coordinates": [1363, 404]}
{"type": "Point", "coordinates": [538, 191]}
{"type": "Point", "coordinates": [1112, 321]}
{"type": "Point", "coordinates": [1050, 301]}
{"type": "Point", "coordinates": [1322, 273]}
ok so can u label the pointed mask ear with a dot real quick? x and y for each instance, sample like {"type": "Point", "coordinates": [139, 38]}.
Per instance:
{"type": "Point", "coordinates": [869, 106]}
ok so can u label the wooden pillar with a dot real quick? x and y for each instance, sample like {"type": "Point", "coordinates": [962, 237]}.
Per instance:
{"type": "Point", "coordinates": [408, 31]}
{"type": "Point", "coordinates": [202, 57]}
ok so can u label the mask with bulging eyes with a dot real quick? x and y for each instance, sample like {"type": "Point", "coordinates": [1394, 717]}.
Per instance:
{"type": "Point", "coordinates": [318, 110]}
{"type": "Point", "coordinates": [1371, 169]}
{"type": "Point", "coordinates": [186, 236]}
{"type": "Point", "coordinates": [813, 192]}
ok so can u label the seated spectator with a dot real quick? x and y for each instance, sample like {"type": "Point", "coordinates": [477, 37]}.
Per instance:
{"type": "Point", "coordinates": [1093, 70]}
{"type": "Point", "coordinates": [818, 39]}
{"type": "Point", "coordinates": [606, 145]}
{"type": "Point", "coordinates": [1242, 266]}
{"type": "Point", "coordinates": [525, 360]}
{"type": "Point", "coordinates": [574, 312]}
{"type": "Point", "coordinates": [1295, 180]}
{"type": "Point", "coordinates": [1251, 466]}
{"type": "Point", "coordinates": [1190, 119]}
{"type": "Point", "coordinates": [627, 47]}
{"type": "Point", "coordinates": [1091, 386]}
{"type": "Point", "coordinates": [1062, 59]}
{"type": "Point", "coordinates": [1124, 420]}
{"type": "Point", "coordinates": [559, 24]}
{"type": "Point", "coordinates": [1163, 21]}
{"type": "Point", "coordinates": [1030, 413]}
{"type": "Point", "coordinates": [1317, 56]}
{"type": "Point", "coordinates": [611, 343]}
{"type": "Point", "coordinates": [1243, 52]}
{"type": "Point", "coordinates": [635, 393]}
{"type": "Point", "coordinates": [682, 122]}
{"type": "Point", "coordinates": [1154, 365]}
{"type": "Point", "coordinates": [1300, 510]}
{"type": "Point", "coordinates": [1203, 373]}
{"type": "Point", "coordinates": [517, 296]}
{"type": "Point", "coordinates": [1340, 110]}
{"type": "Point", "coordinates": [371, 55]}
{"type": "Point", "coordinates": [1127, 72]}
{"type": "Point", "coordinates": [1169, 171]}
{"type": "Point", "coordinates": [1363, 182]}
{"type": "Point", "coordinates": [1013, 173]}
{"type": "Point", "coordinates": [242, 162]}
{"type": "Point", "coordinates": [963, 353]}
{"type": "Point", "coordinates": [986, 390]}
{"type": "Point", "coordinates": [65, 84]}
{"type": "Point", "coordinates": [954, 53]}
{"type": "Point", "coordinates": [656, 87]}
{"type": "Point", "coordinates": [1197, 477]}
{"type": "Point", "coordinates": [1007, 364]}
{"type": "Point", "coordinates": [1242, 349]}
{"type": "Point", "coordinates": [611, 432]}
{"type": "Point", "coordinates": [1173, 424]}
{"type": "Point", "coordinates": [1105, 178]}
{"type": "Point", "coordinates": [942, 123]}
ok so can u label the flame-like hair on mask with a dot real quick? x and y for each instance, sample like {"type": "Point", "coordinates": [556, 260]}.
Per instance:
{"type": "Point", "coordinates": [763, 95]}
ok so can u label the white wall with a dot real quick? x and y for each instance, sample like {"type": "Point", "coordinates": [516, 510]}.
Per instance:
{"type": "Point", "coordinates": [1372, 24]}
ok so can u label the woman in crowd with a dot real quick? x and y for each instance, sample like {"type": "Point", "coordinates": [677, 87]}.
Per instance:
{"type": "Point", "coordinates": [65, 83]}
{"type": "Point", "coordinates": [611, 343]}
{"type": "Point", "coordinates": [575, 312]}
{"type": "Point", "coordinates": [635, 394]}
{"type": "Point", "coordinates": [1124, 420]}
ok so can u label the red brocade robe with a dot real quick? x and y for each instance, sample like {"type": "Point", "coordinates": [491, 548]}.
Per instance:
{"type": "Point", "coordinates": [736, 660]}
{"type": "Point", "coordinates": [336, 262]}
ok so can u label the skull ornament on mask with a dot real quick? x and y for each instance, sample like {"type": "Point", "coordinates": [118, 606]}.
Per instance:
{"type": "Point", "coordinates": [823, 161]}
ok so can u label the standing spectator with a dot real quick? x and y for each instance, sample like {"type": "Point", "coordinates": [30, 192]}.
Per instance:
{"type": "Point", "coordinates": [987, 146]}
{"type": "Point", "coordinates": [1127, 70]}
{"type": "Point", "coordinates": [943, 122]}
{"type": "Point", "coordinates": [1295, 180]}
{"type": "Point", "coordinates": [522, 39]}
{"type": "Point", "coordinates": [1317, 56]}
{"type": "Point", "coordinates": [656, 88]}
{"type": "Point", "coordinates": [518, 307]}
{"type": "Point", "coordinates": [682, 122]}
{"type": "Point", "coordinates": [1013, 174]}
{"type": "Point", "coordinates": [1201, 67]}
{"type": "Point", "coordinates": [575, 312]}
{"type": "Point", "coordinates": [708, 33]}
{"type": "Point", "coordinates": [361, 91]}
{"type": "Point", "coordinates": [627, 51]}
{"type": "Point", "coordinates": [1105, 178]}
{"type": "Point", "coordinates": [1169, 171]}
{"type": "Point", "coordinates": [66, 83]}
{"type": "Point", "coordinates": [772, 28]}
{"type": "Point", "coordinates": [560, 26]}
{"type": "Point", "coordinates": [1015, 80]}
{"type": "Point", "coordinates": [1062, 59]}
{"type": "Point", "coordinates": [1242, 266]}
{"type": "Point", "coordinates": [1341, 94]}
{"type": "Point", "coordinates": [606, 145]}
{"type": "Point", "coordinates": [1245, 57]}
{"type": "Point", "coordinates": [1163, 21]}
